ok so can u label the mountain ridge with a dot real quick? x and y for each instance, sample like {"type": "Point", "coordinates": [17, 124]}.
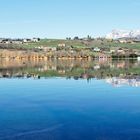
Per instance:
{"type": "Point", "coordinates": [117, 34]}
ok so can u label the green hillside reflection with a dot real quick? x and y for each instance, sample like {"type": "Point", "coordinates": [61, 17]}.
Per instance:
{"type": "Point", "coordinates": [129, 69]}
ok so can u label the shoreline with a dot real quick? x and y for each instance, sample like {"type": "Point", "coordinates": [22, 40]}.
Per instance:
{"type": "Point", "coordinates": [14, 54]}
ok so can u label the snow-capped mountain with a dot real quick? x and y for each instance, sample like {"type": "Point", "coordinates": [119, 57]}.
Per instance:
{"type": "Point", "coordinates": [116, 34]}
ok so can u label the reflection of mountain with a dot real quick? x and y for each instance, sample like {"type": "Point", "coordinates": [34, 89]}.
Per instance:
{"type": "Point", "coordinates": [121, 82]}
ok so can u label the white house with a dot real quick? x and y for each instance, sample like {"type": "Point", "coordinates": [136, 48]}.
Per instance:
{"type": "Point", "coordinates": [138, 58]}
{"type": "Point", "coordinates": [35, 39]}
{"type": "Point", "coordinates": [123, 41]}
{"type": "Point", "coordinates": [26, 40]}
{"type": "Point", "coordinates": [61, 45]}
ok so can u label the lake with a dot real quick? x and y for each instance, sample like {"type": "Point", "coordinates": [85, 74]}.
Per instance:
{"type": "Point", "coordinates": [70, 100]}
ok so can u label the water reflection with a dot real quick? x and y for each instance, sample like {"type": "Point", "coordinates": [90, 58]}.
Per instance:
{"type": "Point", "coordinates": [116, 82]}
{"type": "Point", "coordinates": [114, 72]}
{"type": "Point", "coordinates": [61, 109]}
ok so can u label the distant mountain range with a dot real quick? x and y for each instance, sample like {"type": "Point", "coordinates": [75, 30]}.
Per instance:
{"type": "Point", "coordinates": [117, 34]}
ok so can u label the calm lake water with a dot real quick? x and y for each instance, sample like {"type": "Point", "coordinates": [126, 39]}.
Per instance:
{"type": "Point", "coordinates": [71, 102]}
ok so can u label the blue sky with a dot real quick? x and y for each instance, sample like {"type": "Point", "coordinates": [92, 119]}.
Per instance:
{"type": "Point", "coordinates": [66, 18]}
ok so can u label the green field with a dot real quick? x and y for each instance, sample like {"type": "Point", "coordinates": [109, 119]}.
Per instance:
{"type": "Point", "coordinates": [77, 44]}
{"type": "Point", "coordinates": [80, 44]}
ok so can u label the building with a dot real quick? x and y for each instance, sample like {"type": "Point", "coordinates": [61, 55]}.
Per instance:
{"type": "Point", "coordinates": [26, 40]}
{"type": "Point", "coordinates": [47, 49]}
{"type": "Point", "coordinates": [123, 41]}
{"type": "Point", "coordinates": [35, 40]}
{"type": "Point", "coordinates": [61, 45]}
{"type": "Point", "coordinates": [121, 51]}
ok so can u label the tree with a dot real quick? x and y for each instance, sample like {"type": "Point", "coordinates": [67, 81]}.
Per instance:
{"type": "Point", "coordinates": [68, 38]}
{"type": "Point", "coordinates": [76, 38]}
{"type": "Point", "coordinates": [89, 37]}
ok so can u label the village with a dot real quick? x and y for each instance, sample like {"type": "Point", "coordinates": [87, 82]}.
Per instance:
{"type": "Point", "coordinates": [76, 48]}
{"type": "Point", "coordinates": [18, 41]}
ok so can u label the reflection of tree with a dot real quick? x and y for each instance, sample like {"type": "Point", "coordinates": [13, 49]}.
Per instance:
{"type": "Point", "coordinates": [69, 68]}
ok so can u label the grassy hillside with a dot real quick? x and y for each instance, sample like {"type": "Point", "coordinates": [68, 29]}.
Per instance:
{"type": "Point", "coordinates": [100, 43]}
{"type": "Point", "coordinates": [80, 44]}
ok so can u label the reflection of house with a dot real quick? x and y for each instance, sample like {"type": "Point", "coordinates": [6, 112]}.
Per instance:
{"type": "Point", "coordinates": [103, 56]}
{"type": "Point", "coordinates": [85, 76]}
{"type": "Point", "coordinates": [97, 49]}
{"type": "Point", "coordinates": [120, 65]}
{"type": "Point", "coordinates": [96, 67]}
{"type": "Point", "coordinates": [61, 71]}
{"type": "Point", "coordinates": [48, 67]}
